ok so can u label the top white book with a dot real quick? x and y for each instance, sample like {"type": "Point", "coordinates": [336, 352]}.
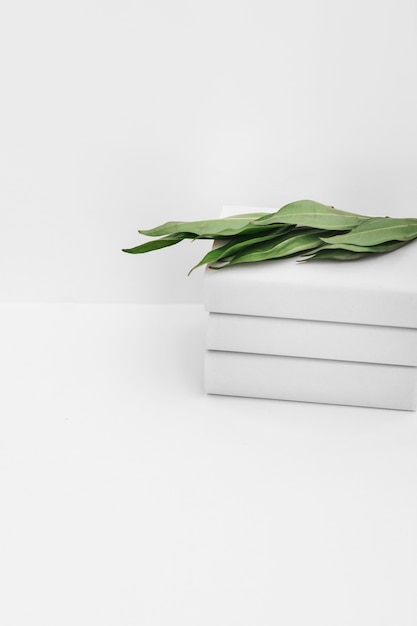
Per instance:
{"type": "Point", "coordinates": [380, 290]}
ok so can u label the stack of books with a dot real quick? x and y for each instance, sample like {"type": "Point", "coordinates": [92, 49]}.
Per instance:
{"type": "Point", "coordinates": [319, 331]}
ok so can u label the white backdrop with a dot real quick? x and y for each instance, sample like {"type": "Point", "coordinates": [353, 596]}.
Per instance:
{"type": "Point", "coordinates": [117, 115]}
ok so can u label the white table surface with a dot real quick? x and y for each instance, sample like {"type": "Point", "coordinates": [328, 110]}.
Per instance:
{"type": "Point", "coordinates": [129, 497]}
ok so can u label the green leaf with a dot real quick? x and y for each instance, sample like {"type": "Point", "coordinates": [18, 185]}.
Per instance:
{"type": "Point", "coordinates": [239, 243]}
{"type": "Point", "coordinates": [314, 215]}
{"type": "Point", "coordinates": [378, 249]}
{"type": "Point", "coordinates": [314, 230]}
{"type": "Point", "coordinates": [222, 227]}
{"type": "Point", "coordinates": [378, 230]}
{"type": "Point", "coordinates": [335, 255]}
{"type": "Point", "coordinates": [289, 246]}
{"type": "Point", "coordinates": [157, 244]}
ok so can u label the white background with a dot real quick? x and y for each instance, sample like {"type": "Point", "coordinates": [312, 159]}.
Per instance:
{"type": "Point", "coordinates": [117, 115]}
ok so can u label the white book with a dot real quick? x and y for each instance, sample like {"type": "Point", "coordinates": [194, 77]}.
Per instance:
{"type": "Point", "coordinates": [311, 380]}
{"type": "Point", "coordinates": [312, 339]}
{"type": "Point", "coordinates": [380, 290]}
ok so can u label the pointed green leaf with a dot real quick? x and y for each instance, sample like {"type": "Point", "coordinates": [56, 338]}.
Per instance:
{"type": "Point", "coordinates": [377, 249]}
{"type": "Point", "coordinates": [378, 230]}
{"type": "Point", "coordinates": [335, 255]}
{"type": "Point", "coordinates": [156, 244]}
{"type": "Point", "coordinates": [222, 227]}
{"type": "Point", "coordinates": [314, 215]}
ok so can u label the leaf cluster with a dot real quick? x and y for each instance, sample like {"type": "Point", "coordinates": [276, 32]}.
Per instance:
{"type": "Point", "coordinates": [305, 227]}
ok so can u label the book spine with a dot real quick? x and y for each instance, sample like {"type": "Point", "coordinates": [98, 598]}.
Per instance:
{"type": "Point", "coordinates": [311, 380]}
{"type": "Point", "coordinates": [312, 339]}
{"type": "Point", "coordinates": [264, 294]}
